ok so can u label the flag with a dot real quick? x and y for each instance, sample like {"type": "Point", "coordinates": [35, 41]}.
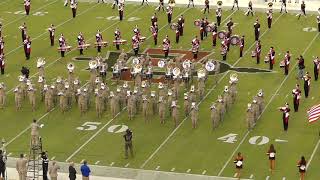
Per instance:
{"type": "Point", "coordinates": [314, 113]}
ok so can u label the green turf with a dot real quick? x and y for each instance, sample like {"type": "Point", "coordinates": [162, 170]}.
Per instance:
{"type": "Point", "coordinates": [182, 148]}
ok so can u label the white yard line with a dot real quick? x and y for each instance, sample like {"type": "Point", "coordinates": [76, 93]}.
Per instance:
{"type": "Point", "coordinates": [46, 32]}
{"type": "Point", "coordinates": [127, 165]}
{"type": "Point", "coordinates": [204, 172]}
{"type": "Point", "coordinates": [313, 153]}
{"type": "Point", "coordinates": [271, 99]}
{"type": "Point", "coordinates": [173, 132]}
{"type": "Point", "coordinates": [77, 48]}
{"type": "Point", "coordinates": [112, 164]}
{"type": "Point", "coordinates": [93, 136]}
{"type": "Point", "coordinates": [29, 15]}
{"type": "Point", "coordinates": [157, 168]}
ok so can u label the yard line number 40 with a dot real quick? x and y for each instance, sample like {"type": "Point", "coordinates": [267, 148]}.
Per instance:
{"type": "Point", "coordinates": [255, 140]}
{"type": "Point", "coordinates": [91, 126]}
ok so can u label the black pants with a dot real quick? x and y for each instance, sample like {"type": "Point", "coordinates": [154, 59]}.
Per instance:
{"type": "Point", "coordinates": [285, 125]}
{"type": "Point", "coordinates": [2, 172]}
{"type": "Point", "coordinates": [81, 51]}
{"type": "Point", "coordinates": [121, 15]}
{"type": "Point", "coordinates": [118, 46]}
{"type": "Point", "coordinates": [52, 40]}
{"type": "Point", "coordinates": [169, 18]}
{"type": "Point", "coordinates": [177, 38]}
{"type": "Point", "coordinates": [270, 64]}
{"type": "Point", "coordinates": [214, 41]}
{"type": "Point", "coordinates": [269, 22]}
{"type": "Point", "coordinates": [62, 53]}
{"type": "Point", "coordinates": [205, 9]}
{"type": "Point", "coordinates": [195, 55]}
{"type": "Point", "coordinates": [241, 52]}
{"type": "Point", "coordinates": [306, 91]}
{"type": "Point", "coordinates": [316, 73]}
{"type": "Point", "coordinates": [201, 34]}
{"type": "Point", "coordinates": [2, 70]}
{"type": "Point", "coordinates": [74, 12]}
{"type": "Point", "coordinates": [45, 172]}
{"type": "Point", "coordinates": [155, 39]}
{"type": "Point", "coordinates": [234, 5]}
{"type": "Point", "coordinates": [136, 51]}
{"type": "Point", "coordinates": [256, 35]}
{"type": "Point", "coordinates": [166, 54]}
{"type": "Point", "coordinates": [99, 48]}
{"type": "Point", "coordinates": [224, 57]}
{"type": "Point", "coordinates": [295, 105]}
{"type": "Point", "coordinates": [319, 27]}
{"type": "Point", "coordinates": [27, 55]}
{"type": "Point", "coordinates": [286, 70]}
{"type": "Point", "coordinates": [218, 20]}
{"type": "Point", "coordinates": [258, 59]}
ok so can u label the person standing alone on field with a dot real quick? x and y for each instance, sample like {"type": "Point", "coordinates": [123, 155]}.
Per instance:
{"type": "Point", "coordinates": [72, 172]}
{"type": "Point", "coordinates": [272, 158]}
{"type": "Point", "coordinates": [302, 164]}
{"type": "Point", "coordinates": [128, 143]}
{"type": "Point", "coordinates": [85, 171]}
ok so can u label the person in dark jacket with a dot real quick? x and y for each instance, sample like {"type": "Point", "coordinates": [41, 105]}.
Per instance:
{"type": "Point", "coordinates": [72, 172]}
{"type": "Point", "coordinates": [2, 166]}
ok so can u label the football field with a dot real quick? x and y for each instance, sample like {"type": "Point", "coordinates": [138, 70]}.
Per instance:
{"type": "Point", "coordinates": [71, 136]}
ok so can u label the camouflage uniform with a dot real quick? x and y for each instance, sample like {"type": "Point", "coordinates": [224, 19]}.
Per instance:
{"type": "Point", "coordinates": [63, 101]}
{"type": "Point", "coordinates": [175, 113]}
{"type": "Point", "coordinates": [215, 116]}
{"type": "Point", "coordinates": [99, 103]}
{"type": "Point", "coordinates": [114, 104]}
{"type": "Point", "coordinates": [221, 108]}
{"type": "Point", "coordinates": [2, 95]}
{"type": "Point", "coordinates": [186, 105]}
{"type": "Point", "coordinates": [255, 108]}
{"type": "Point", "coordinates": [201, 87]}
{"type": "Point", "coordinates": [153, 102]}
{"type": "Point", "coordinates": [194, 115]}
{"type": "Point", "coordinates": [18, 97]}
{"type": "Point", "coordinates": [131, 105]}
{"type": "Point", "coordinates": [145, 109]}
{"type": "Point", "coordinates": [250, 117]}
{"type": "Point", "coordinates": [162, 109]}
{"type": "Point", "coordinates": [41, 82]}
{"type": "Point", "coordinates": [32, 97]}
{"type": "Point", "coordinates": [233, 91]}
{"type": "Point", "coordinates": [260, 101]}
{"type": "Point", "coordinates": [227, 98]}
{"type": "Point", "coordinates": [48, 99]}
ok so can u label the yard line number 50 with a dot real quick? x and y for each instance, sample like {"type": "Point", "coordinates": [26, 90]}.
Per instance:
{"type": "Point", "coordinates": [91, 126]}
{"type": "Point", "coordinates": [255, 140]}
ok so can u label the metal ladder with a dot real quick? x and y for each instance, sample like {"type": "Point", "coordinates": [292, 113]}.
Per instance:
{"type": "Point", "coordinates": [34, 162]}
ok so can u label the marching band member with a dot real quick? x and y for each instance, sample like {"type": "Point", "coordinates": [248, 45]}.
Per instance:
{"type": "Point", "coordinates": [235, 2]}
{"type": "Point", "coordinates": [284, 6]}
{"type": "Point", "coordinates": [73, 5]}
{"type": "Point", "coordinates": [224, 49]}
{"type": "Point", "coordinates": [206, 23]}
{"type": "Point", "coordinates": [302, 164]}
{"type": "Point", "coordinates": [272, 157]}
{"type": "Point", "coordinates": [206, 6]}
{"type": "Point", "coordinates": [136, 31]}
{"type": "Point", "coordinates": [258, 51]}
{"type": "Point", "coordinates": [195, 47]}
{"type": "Point", "coordinates": [242, 42]}
{"type": "Point", "coordinates": [154, 19]}
{"type": "Point", "coordinates": [286, 64]}
{"type": "Point", "coordinates": [169, 13]}
{"type": "Point", "coordinates": [238, 161]}
{"type": "Point", "coordinates": [202, 28]}
{"type": "Point", "coordinates": [190, 2]}
{"type": "Point", "coordinates": [306, 84]}
{"type": "Point", "coordinates": [230, 25]}
{"type": "Point", "coordinates": [62, 45]}
{"type": "Point", "coordinates": [166, 46]}
{"type": "Point", "coordinates": [301, 67]}
{"type": "Point", "coordinates": [121, 9]}
{"type": "Point", "coordinates": [318, 21]}
{"type": "Point", "coordinates": [154, 31]}
{"type": "Point", "coordinates": [149, 72]}
{"type": "Point", "coordinates": [27, 47]}
{"type": "Point", "coordinates": [2, 63]}
{"type": "Point", "coordinates": [177, 33]}
{"type": "Point", "coordinates": [269, 17]}
{"type": "Point", "coordinates": [161, 5]}
{"type": "Point", "coordinates": [181, 24]}
{"type": "Point", "coordinates": [256, 26]}
{"type": "Point", "coordinates": [272, 56]}
{"type": "Point", "coordinates": [135, 44]}
{"type": "Point", "coordinates": [285, 116]}
{"type": "Point", "coordinates": [27, 4]}
{"type": "Point", "coordinates": [51, 30]}
{"type": "Point", "coordinates": [81, 43]}
{"type": "Point", "coordinates": [99, 40]}
{"type": "Point", "coordinates": [218, 15]}
{"type": "Point", "coordinates": [66, 3]}
{"type": "Point", "coordinates": [1, 45]}
{"type": "Point", "coordinates": [117, 37]}
{"type": "Point", "coordinates": [0, 28]}
{"type": "Point", "coordinates": [103, 71]}
{"type": "Point", "coordinates": [303, 10]}
{"type": "Point", "coordinates": [316, 63]}
{"type": "Point", "coordinates": [250, 9]}
{"type": "Point", "coordinates": [115, 2]}
{"type": "Point", "coordinates": [143, 2]}
{"type": "Point", "coordinates": [214, 34]}
{"type": "Point", "coordinates": [23, 29]}
{"type": "Point", "coordinates": [296, 97]}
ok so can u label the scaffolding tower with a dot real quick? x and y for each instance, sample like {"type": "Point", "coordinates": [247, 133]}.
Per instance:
{"type": "Point", "coordinates": [34, 161]}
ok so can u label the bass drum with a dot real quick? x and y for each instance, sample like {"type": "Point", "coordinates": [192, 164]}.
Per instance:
{"type": "Point", "coordinates": [221, 34]}
{"type": "Point", "coordinates": [234, 40]}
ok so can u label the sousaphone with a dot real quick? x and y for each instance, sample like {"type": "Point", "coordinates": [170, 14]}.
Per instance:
{"type": "Point", "coordinates": [40, 62]}
{"type": "Point", "coordinates": [135, 61]}
{"type": "Point", "coordinates": [210, 66]}
{"type": "Point", "coordinates": [176, 71]}
{"type": "Point", "coordinates": [186, 64]}
{"type": "Point", "coordinates": [201, 73]}
{"type": "Point", "coordinates": [137, 68]}
{"type": "Point", "coordinates": [70, 67]}
{"type": "Point", "coordinates": [161, 63]}
{"type": "Point", "coordinates": [93, 64]}
{"type": "Point", "coordinates": [234, 77]}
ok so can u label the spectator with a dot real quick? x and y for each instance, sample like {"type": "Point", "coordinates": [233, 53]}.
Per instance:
{"type": "Point", "coordinates": [21, 167]}
{"type": "Point", "coordinates": [2, 165]}
{"type": "Point", "coordinates": [72, 172]}
{"type": "Point", "coordinates": [85, 171]}
{"type": "Point", "coordinates": [53, 171]}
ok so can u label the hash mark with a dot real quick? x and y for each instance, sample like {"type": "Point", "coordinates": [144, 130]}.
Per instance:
{"type": "Point", "coordinates": [235, 174]}
{"type": "Point", "coordinates": [158, 167]}
{"type": "Point", "coordinates": [127, 165]}
{"type": "Point", "coordinates": [267, 178]}
{"type": "Point", "coordinates": [112, 164]}
{"type": "Point", "coordinates": [173, 169]}
{"type": "Point", "coordinates": [81, 161]}
{"type": "Point", "coordinates": [204, 172]}
{"type": "Point", "coordinates": [9, 154]}
{"type": "Point", "coordinates": [189, 170]}
{"type": "Point", "coordinates": [97, 162]}
{"type": "Point", "coordinates": [284, 178]}
{"type": "Point", "coordinates": [251, 176]}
